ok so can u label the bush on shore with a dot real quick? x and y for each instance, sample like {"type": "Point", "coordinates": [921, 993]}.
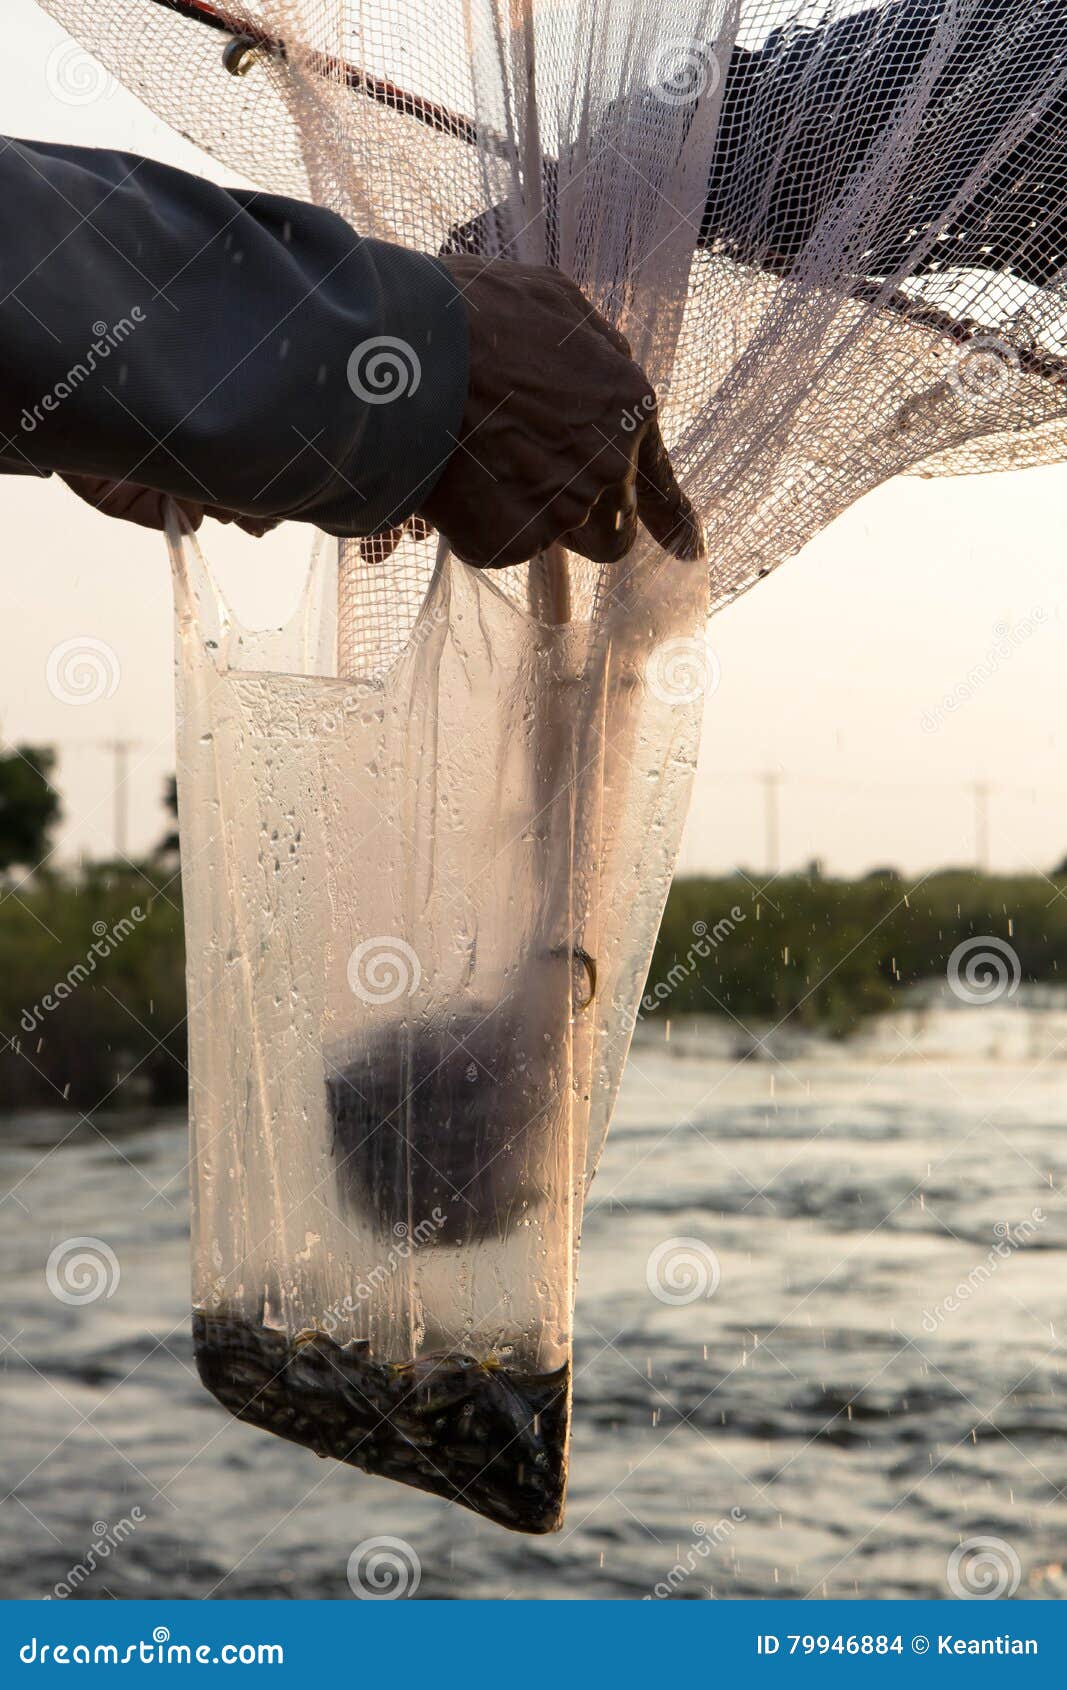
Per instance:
{"type": "Point", "coordinates": [92, 991]}
{"type": "Point", "coordinates": [827, 953]}
{"type": "Point", "coordinates": [92, 968]}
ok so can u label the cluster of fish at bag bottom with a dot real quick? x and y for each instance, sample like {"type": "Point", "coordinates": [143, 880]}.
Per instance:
{"type": "Point", "coordinates": [501, 1435]}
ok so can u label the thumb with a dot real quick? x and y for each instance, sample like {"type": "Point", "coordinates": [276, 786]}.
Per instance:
{"type": "Point", "coordinates": [662, 506]}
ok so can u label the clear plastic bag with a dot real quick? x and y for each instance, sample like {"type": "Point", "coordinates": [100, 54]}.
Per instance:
{"type": "Point", "coordinates": [419, 909]}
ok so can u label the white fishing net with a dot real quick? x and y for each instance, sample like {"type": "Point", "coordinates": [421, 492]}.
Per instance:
{"type": "Point", "coordinates": [834, 234]}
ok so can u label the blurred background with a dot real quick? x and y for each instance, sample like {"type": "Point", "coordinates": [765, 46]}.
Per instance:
{"type": "Point", "coordinates": [819, 1340]}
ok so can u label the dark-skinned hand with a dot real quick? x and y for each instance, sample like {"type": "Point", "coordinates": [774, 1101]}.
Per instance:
{"type": "Point", "coordinates": [560, 438]}
{"type": "Point", "coordinates": [145, 507]}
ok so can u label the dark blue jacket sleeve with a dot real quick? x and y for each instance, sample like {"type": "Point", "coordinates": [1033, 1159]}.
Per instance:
{"type": "Point", "coordinates": [232, 348]}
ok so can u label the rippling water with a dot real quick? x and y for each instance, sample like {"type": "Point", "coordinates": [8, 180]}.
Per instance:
{"type": "Point", "coordinates": [823, 1424]}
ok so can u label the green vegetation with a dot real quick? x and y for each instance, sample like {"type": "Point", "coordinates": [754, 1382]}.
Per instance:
{"type": "Point", "coordinates": [92, 966]}
{"type": "Point", "coordinates": [29, 807]}
{"type": "Point", "coordinates": [92, 988]}
{"type": "Point", "coordinates": [827, 953]}
{"type": "Point", "coordinates": [92, 991]}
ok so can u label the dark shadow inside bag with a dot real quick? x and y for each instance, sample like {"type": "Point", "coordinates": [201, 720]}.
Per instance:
{"type": "Point", "coordinates": [444, 1131]}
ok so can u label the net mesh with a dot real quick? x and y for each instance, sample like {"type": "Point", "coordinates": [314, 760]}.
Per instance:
{"type": "Point", "coordinates": [834, 232]}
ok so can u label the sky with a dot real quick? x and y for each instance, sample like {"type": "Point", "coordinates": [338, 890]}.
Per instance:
{"type": "Point", "coordinates": [835, 670]}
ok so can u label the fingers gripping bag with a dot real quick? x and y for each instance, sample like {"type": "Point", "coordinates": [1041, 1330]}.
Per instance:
{"type": "Point", "coordinates": [429, 825]}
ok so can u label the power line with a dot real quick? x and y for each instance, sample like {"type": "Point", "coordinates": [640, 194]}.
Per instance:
{"type": "Point", "coordinates": [981, 792]}
{"type": "Point", "coordinates": [1029, 789]}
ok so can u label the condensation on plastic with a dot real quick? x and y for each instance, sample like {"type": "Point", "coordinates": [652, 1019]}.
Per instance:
{"type": "Point", "coordinates": [834, 234]}
{"type": "Point", "coordinates": [419, 907]}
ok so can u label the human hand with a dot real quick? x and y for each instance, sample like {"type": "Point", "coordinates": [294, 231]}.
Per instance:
{"type": "Point", "coordinates": [560, 439]}
{"type": "Point", "coordinates": [142, 505]}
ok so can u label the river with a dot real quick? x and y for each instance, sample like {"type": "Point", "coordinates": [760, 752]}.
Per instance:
{"type": "Point", "coordinates": [857, 1369]}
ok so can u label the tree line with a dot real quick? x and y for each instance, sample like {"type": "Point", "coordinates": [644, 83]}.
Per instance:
{"type": "Point", "coordinates": [92, 977]}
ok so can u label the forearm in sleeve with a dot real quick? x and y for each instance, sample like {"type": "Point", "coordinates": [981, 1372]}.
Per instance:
{"type": "Point", "coordinates": [230, 348]}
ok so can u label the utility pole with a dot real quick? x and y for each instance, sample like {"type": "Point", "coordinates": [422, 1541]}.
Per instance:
{"type": "Point", "coordinates": [980, 789]}
{"type": "Point", "coordinates": [772, 781]}
{"type": "Point", "coordinates": [120, 750]}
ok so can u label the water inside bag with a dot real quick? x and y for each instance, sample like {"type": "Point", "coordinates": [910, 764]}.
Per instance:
{"type": "Point", "coordinates": [415, 903]}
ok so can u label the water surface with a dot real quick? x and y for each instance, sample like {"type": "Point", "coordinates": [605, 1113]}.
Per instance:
{"type": "Point", "coordinates": [823, 1424]}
